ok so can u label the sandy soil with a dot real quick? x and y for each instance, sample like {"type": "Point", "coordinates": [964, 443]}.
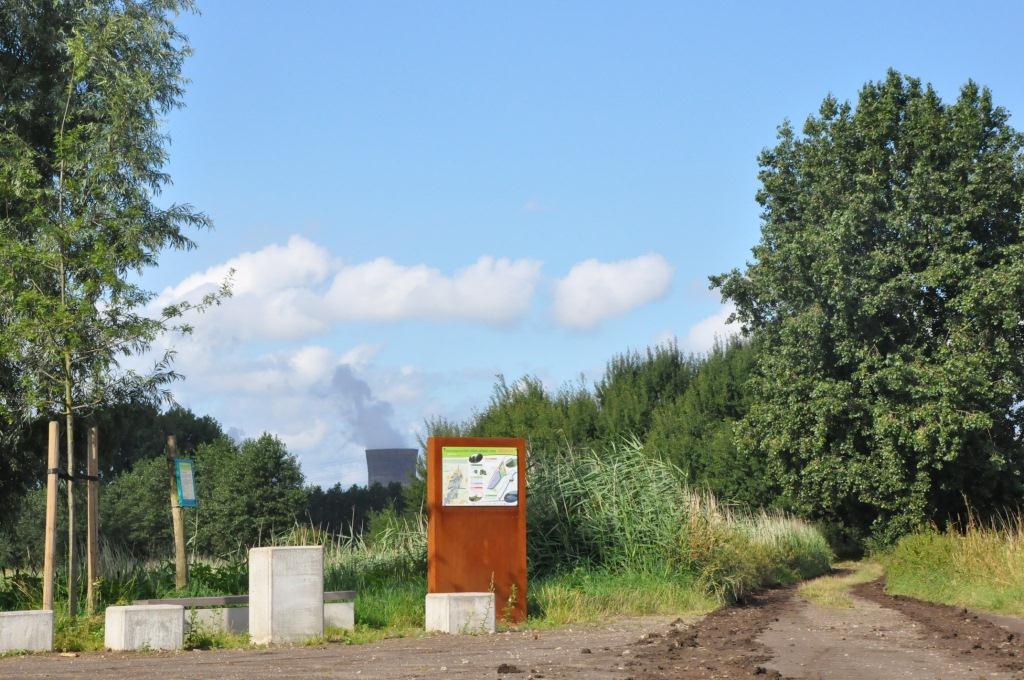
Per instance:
{"type": "Point", "coordinates": [775, 634]}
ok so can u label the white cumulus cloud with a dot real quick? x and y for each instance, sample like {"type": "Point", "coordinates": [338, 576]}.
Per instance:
{"type": "Point", "coordinates": [702, 335]}
{"type": "Point", "coordinates": [298, 290]}
{"type": "Point", "coordinates": [490, 290]}
{"type": "Point", "coordinates": [593, 291]}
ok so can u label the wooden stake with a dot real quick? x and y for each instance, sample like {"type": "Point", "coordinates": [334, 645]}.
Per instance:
{"type": "Point", "coordinates": [50, 544]}
{"type": "Point", "coordinates": [69, 436]}
{"type": "Point", "coordinates": [93, 518]}
{"type": "Point", "coordinates": [180, 565]}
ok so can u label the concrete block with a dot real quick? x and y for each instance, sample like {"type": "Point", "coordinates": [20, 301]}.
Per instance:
{"type": "Point", "coordinates": [144, 626]}
{"type": "Point", "coordinates": [30, 631]}
{"type": "Point", "coordinates": [340, 615]}
{"type": "Point", "coordinates": [286, 594]}
{"type": "Point", "coordinates": [460, 612]}
{"type": "Point", "coordinates": [234, 620]}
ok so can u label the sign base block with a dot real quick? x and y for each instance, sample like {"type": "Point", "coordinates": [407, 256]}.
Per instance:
{"type": "Point", "coordinates": [460, 613]}
{"type": "Point", "coordinates": [144, 626]}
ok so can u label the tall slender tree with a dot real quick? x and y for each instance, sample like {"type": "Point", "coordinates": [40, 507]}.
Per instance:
{"type": "Point", "coordinates": [85, 85]}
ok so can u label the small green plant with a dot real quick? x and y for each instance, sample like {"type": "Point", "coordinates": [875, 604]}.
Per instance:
{"type": "Point", "coordinates": [510, 604]}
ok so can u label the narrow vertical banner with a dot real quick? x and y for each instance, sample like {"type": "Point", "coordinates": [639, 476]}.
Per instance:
{"type": "Point", "coordinates": [476, 536]}
{"type": "Point", "coordinates": [185, 475]}
{"type": "Point", "coordinates": [180, 565]}
{"type": "Point", "coordinates": [50, 544]}
{"type": "Point", "coordinates": [92, 564]}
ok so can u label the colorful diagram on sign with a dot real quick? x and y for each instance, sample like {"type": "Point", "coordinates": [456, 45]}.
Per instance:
{"type": "Point", "coordinates": [473, 475]}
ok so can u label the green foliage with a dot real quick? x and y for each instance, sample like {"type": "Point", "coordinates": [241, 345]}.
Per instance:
{"type": "Point", "coordinates": [635, 385]}
{"type": "Point", "coordinates": [684, 408]}
{"type": "Point", "coordinates": [622, 509]}
{"type": "Point", "coordinates": [526, 408]}
{"type": "Point", "coordinates": [592, 595]}
{"type": "Point", "coordinates": [349, 511]}
{"type": "Point", "coordinates": [886, 294]}
{"type": "Point", "coordinates": [81, 151]}
{"type": "Point", "coordinates": [695, 430]}
{"type": "Point", "coordinates": [135, 511]}
{"type": "Point", "coordinates": [635, 388]}
{"type": "Point", "coordinates": [247, 494]}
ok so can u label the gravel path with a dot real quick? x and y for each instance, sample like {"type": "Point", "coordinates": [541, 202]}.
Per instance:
{"type": "Point", "coordinates": [775, 634]}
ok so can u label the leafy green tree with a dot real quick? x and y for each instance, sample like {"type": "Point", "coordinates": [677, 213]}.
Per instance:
{"type": "Point", "coordinates": [247, 494]}
{"type": "Point", "coordinates": [85, 84]}
{"type": "Point", "coordinates": [136, 510]}
{"type": "Point", "coordinates": [887, 293]}
{"type": "Point", "coordinates": [80, 143]}
{"type": "Point", "coordinates": [635, 384]}
{"type": "Point", "coordinates": [525, 409]}
{"type": "Point", "coordinates": [347, 511]}
{"type": "Point", "coordinates": [695, 430]}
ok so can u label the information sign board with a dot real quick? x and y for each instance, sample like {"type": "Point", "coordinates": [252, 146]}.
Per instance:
{"type": "Point", "coordinates": [184, 473]}
{"type": "Point", "coordinates": [476, 536]}
{"type": "Point", "coordinates": [480, 475]}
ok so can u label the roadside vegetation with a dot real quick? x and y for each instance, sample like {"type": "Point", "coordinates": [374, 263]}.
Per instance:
{"type": "Point", "coordinates": [612, 531]}
{"type": "Point", "coordinates": [976, 564]}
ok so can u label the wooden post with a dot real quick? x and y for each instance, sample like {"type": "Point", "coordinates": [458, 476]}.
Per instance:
{"type": "Point", "coordinates": [50, 545]}
{"type": "Point", "coordinates": [180, 565]}
{"type": "Point", "coordinates": [93, 518]}
{"type": "Point", "coordinates": [69, 434]}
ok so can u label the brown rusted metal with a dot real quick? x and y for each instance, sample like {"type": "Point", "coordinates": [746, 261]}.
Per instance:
{"type": "Point", "coordinates": [477, 549]}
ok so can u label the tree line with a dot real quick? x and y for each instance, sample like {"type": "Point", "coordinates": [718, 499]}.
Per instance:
{"type": "Point", "coordinates": [879, 384]}
{"type": "Point", "coordinates": [248, 491]}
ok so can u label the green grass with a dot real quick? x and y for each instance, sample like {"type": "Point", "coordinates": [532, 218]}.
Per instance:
{"type": "Point", "coordinates": [979, 566]}
{"type": "Point", "coordinates": [834, 590]}
{"type": "Point", "coordinates": [80, 634]}
{"type": "Point", "coordinates": [588, 596]}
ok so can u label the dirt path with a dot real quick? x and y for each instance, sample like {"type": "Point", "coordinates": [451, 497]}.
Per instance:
{"type": "Point", "coordinates": [774, 634]}
{"type": "Point", "coordinates": [577, 653]}
{"type": "Point", "coordinates": [779, 634]}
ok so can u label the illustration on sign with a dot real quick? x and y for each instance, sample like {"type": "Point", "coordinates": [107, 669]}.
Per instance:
{"type": "Point", "coordinates": [185, 475]}
{"type": "Point", "coordinates": [474, 475]}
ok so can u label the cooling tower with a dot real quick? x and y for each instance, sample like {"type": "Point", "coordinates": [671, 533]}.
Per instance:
{"type": "Point", "coordinates": [390, 465]}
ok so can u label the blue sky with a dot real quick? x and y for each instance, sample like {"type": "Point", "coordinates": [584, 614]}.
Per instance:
{"type": "Point", "coordinates": [418, 196]}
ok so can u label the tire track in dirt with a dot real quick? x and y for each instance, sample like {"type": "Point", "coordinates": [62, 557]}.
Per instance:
{"type": "Point", "coordinates": [777, 634]}
{"type": "Point", "coordinates": [955, 629]}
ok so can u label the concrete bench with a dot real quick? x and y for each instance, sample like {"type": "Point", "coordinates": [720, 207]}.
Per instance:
{"type": "Point", "coordinates": [230, 613]}
{"type": "Point", "coordinates": [26, 631]}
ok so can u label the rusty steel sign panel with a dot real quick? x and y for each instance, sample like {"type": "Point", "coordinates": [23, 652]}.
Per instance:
{"type": "Point", "coordinates": [476, 536]}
